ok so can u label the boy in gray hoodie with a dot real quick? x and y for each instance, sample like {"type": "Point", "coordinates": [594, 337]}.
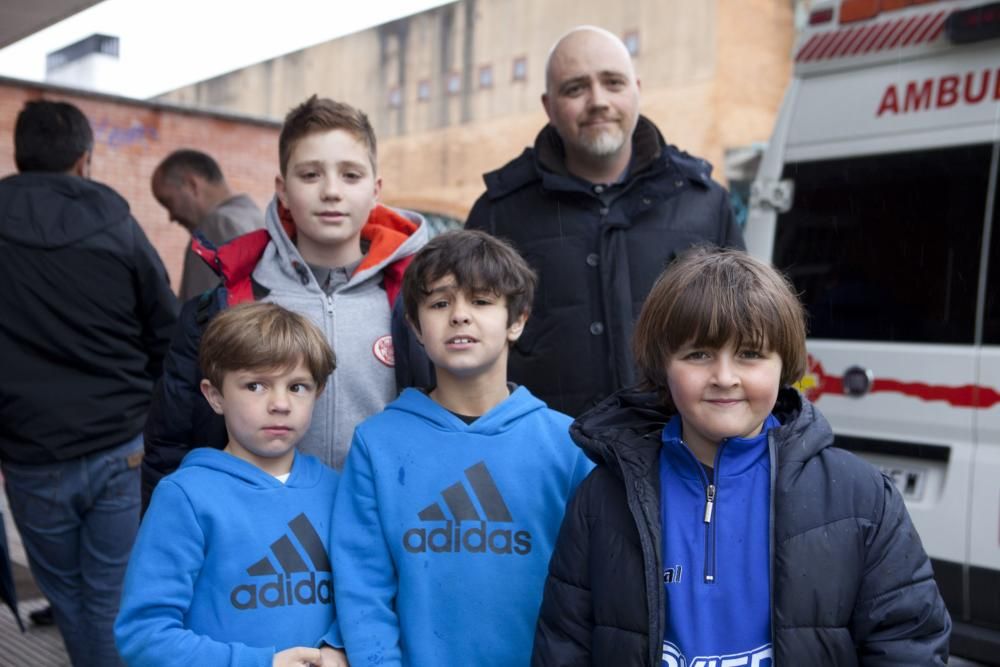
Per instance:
{"type": "Point", "coordinates": [328, 251]}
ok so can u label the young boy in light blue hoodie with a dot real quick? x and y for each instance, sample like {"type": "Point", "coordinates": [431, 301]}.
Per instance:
{"type": "Point", "coordinates": [231, 563]}
{"type": "Point", "coordinates": [451, 499]}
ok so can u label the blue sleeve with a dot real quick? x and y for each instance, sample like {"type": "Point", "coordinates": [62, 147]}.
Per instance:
{"type": "Point", "coordinates": [333, 637]}
{"type": "Point", "coordinates": [159, 587]}
{"type": "Point", "coordinates": [364, 574]}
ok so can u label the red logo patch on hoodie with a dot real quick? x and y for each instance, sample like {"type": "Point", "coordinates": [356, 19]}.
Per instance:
{"type": "Point", "coordinates": [384, 352]}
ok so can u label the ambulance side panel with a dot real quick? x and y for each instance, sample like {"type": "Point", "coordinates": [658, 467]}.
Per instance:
{"type": "Point", "coordinates": [890, 240]}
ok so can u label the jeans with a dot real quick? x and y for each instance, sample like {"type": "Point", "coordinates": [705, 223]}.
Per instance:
{"type": "Point", "coordinates": [78, 520]}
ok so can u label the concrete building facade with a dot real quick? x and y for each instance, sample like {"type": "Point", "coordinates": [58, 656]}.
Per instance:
{"type": "Point", "coordinates": [455, 91]}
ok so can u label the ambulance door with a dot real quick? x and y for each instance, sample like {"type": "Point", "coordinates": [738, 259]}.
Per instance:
{"type": "Point", "coordinates": [884, 249]}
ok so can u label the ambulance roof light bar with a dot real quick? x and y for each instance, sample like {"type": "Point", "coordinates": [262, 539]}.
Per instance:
{"type": "Point", "coordinates": [822, 12]}
{"type": "Point", "coordinates": [976, 24]}
{"type": "Point", "coordinates": [862, 10]}
{"type": "Point", "coordinates": [963, 26]}
{"type": "Point", "coordinates": [820, 16]}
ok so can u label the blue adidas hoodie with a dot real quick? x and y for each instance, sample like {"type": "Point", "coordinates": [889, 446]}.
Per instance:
{"type": "Point", "coordinates": [716, 552]}
{"type": "Point", "coordinates": [444, 531]}
{"type": "Point", "coordinates": [230, 565]}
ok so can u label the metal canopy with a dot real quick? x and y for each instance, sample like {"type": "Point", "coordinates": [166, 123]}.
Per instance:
{"type": "Point", "coordinates": [21, 18]}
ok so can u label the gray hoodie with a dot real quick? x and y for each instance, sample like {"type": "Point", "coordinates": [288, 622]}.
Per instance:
{"type": "Point", "coordinates": [356, 320]}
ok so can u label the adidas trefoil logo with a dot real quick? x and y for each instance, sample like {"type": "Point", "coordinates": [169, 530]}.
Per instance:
{"type": "Point", "coordinates": [455, 536]}
{"type": "Point", "coordinates": [295, 582]}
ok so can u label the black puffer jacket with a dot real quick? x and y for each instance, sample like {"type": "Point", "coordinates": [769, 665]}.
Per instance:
{"type": "Point", "coordinates": [597, 251]}
{"type": "Point", "coordinates": [850, 582]}
{"type": "Point", "coordinates": [86, 314]}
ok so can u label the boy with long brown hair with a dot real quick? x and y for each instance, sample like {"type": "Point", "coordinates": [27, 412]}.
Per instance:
{"type": "Point", "coordinates": [721, 526]}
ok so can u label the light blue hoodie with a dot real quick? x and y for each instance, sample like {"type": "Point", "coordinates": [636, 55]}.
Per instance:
{"type": "Point", "coordinates": [230, 565]}
{"type": "Point", "coordinates": [444, 531]}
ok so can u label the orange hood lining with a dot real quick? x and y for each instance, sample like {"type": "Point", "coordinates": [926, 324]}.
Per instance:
{"type": "Point", "coordinates": [385, 230]}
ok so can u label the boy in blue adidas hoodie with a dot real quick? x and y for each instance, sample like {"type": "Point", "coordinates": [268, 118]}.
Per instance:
{"type": "Point", "coordinates": [721, 527]}
{"type": "Point", "coordinates": [451, 500]}
{"type": "Point", "coordinates": [231, 564]}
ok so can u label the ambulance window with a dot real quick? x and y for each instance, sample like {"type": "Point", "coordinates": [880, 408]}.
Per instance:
{"type": "Point", "coordinates": [886, 247]}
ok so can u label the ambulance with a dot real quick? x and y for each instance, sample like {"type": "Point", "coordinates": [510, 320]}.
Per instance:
{"type": "Point", "coordinates": [877, 196]}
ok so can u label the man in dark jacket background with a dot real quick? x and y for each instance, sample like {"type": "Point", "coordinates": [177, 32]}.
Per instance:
{"type": "Point", "coordinates": [87, 316]}
{"type": "Point", "coordinates": [599, 206]}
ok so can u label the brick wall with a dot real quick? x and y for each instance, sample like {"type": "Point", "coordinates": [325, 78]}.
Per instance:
{"type": "Point", "coordinates": [131, 137]}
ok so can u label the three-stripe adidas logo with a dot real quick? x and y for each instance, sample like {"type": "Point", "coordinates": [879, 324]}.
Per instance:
{"type": "Point", "coordinates": [453, 537]}
{"type": "Point", "coordinates": [296, 582]}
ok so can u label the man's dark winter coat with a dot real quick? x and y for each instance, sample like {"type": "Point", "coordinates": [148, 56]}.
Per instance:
{"type": "Point", "coordinates": [597, 250]}
{"type": "Point", "coordinates": [86, 314]}
{"type": "Point", "coordinates": [850, 581]}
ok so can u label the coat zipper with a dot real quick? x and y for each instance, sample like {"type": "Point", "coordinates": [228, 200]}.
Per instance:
{"type": "Point", "coordinates": [710, 492]}
{"type": "Point", "coordinates": [711, 498]}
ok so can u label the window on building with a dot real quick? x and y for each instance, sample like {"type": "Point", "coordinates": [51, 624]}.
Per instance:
{"type": "Point", "coordinates": [486, 76]}
{"type": "Point", "coordinates": [454, 83]}
{"type": "Point", "coordinates": [395, 97]}
{"type": "Point", "coordinates": [631, 40]}
{"type": "Point", "coordinates": [424, 90]}
{"type": "Point", "coordinates": [519, 72]}
{"type": "Point", "coordinates": [886, 247]}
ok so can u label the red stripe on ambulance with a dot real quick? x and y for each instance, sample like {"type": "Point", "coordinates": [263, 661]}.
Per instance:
{"type": "Point", "coordinates": [879, 37]}
{"type": "Point", "coordinates": [817, 383]}
{"type": "Point", "coordinates": [876, 35]}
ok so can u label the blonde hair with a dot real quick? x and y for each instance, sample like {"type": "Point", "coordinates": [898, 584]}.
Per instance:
{"type": "Point", "coordinates": [263, 336]}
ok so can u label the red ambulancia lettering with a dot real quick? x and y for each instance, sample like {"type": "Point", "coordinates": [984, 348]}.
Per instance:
{"type": "Point", "coordinates": [917, 100]}
{"type": "Point", "coordinates": [940, 93]}
{"type": "Point", "coordinates": [947, 91]}
{"type": "Point", "coordinates": [977, 97]}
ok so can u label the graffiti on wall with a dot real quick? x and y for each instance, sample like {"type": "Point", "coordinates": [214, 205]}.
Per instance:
{"type": "Point", "coordinates": [117, 136]}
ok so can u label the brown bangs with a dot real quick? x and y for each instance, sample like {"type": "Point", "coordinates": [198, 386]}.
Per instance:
{"type": "Point", "coordinates": [708, 297]}
{"type": "Point", "coordinates": [263, 337]}
{"type": "Point", "coordinates": [479, 262]}
{"type": "Point", "coordinates": [321, 114]}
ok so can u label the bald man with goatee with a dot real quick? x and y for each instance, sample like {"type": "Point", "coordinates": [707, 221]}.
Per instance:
{"type": "Point", "coordinates": [599, 206]}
